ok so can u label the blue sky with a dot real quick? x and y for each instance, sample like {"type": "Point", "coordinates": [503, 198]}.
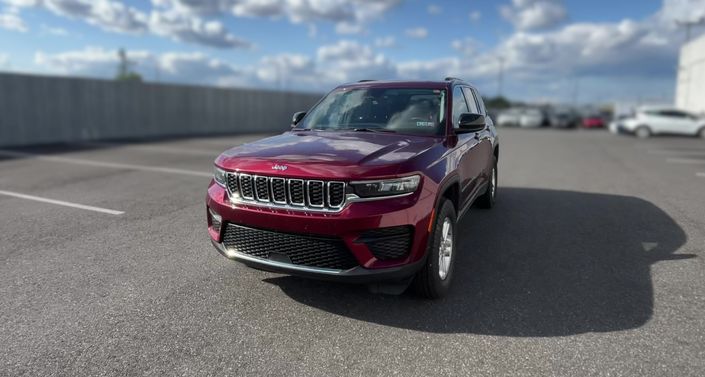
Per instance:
{"type": "Point", "coordinates": [552, 50]}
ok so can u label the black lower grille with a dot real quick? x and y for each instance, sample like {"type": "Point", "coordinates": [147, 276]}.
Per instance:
{"type": "Point", "coordinates": [388, 243]}
{"type": "Point", "coordinates": [301, 250]}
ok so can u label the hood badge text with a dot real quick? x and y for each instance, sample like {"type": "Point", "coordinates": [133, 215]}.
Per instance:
{"type": "Point", "coordinates": [279, 167]}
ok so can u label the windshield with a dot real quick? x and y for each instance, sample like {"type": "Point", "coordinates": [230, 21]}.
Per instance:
{"type": "Point", "coordinates": [411, 111]}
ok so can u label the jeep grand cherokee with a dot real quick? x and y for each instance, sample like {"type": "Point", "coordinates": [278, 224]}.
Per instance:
{"type": "Point", "coordinates": [366, 187]}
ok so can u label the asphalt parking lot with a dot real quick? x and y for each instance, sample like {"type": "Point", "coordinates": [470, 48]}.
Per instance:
{"type": "Point", "coordinates": [592, 263]}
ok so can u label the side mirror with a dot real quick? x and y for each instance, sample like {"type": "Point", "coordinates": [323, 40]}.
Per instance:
{"type": "Point", "coordinates": [297, 118]}
{"type": "Point", "coordinates": [470, 122]}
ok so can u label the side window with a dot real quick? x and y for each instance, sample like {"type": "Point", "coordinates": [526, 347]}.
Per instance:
{"type": "Point", "coordinates": [472, 103]}
{"type": "Point", "coordinates": [459, 105]}
{"type": "Point", "coordinates": [480, 102]}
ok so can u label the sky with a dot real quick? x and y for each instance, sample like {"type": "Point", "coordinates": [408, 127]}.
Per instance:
{"type": "Point", "coordinates": [547, 50]}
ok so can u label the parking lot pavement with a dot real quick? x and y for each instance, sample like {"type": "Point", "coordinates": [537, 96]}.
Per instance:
{"type": "Point", "coordinates": [590, 264]}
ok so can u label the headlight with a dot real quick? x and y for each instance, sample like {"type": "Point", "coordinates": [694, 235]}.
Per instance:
{"type": "Point", "coordinates": [219, 176]}
{"type": "Point", "coordinates": [387, 187]}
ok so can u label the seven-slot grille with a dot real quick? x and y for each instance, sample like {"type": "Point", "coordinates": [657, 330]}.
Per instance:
{"type": "Point", "coordinates": [309, 194]}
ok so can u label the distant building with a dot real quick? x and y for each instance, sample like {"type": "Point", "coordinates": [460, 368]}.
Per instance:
{"type": "Point", "coordinates": [690, 88]}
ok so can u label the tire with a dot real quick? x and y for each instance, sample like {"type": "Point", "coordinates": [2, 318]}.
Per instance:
{"type": "Point", "coordinates": [488, 199]}
{"type": "Point", "coordinates": [434, 278]}
{"type": "Point", "coordinates": [701, 133]}
{"type": "Point", "coordinates": [642, 132]}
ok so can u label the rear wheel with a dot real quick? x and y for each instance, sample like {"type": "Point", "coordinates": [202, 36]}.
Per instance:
{"type": "Point", "coordinates": [701, 133]}
{"type": "Point", "coordinates": [642, 132]}
{"type": "Point", "coordinates": [433, 280]}
{"type": "Point", "coordinates": [488, 199]}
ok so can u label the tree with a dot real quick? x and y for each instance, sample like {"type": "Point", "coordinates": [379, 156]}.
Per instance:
{"type": "Point", "coordinates": [497, 103]}
{"type": "Point", "coordinates": [125, 73]}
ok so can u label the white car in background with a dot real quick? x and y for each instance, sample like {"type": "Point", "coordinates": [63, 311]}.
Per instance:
{"type": "Point", "coordinates": [651, 120]}
{"type": "Point", "coordinates": [509, 117]}
{"type": "Point", "coordinates": [532, 118]}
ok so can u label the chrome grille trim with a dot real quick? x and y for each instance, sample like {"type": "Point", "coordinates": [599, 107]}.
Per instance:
{"type": "Point", "coordinates": [274, 195]}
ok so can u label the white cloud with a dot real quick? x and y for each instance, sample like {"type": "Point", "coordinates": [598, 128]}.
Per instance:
{"type": "Point", "coordinates": [4, 60]}
{"type": "Point", "coordinates": [194, 67]}
{"type": "Point", "coordinates": [534, 14]}
{"type": "Point", "coordinates": [183, 28]}
{"type": "Point", "coordinates": [61, 32]}
{"type": "Point", "coordinates": [349, 28]}
{"type": "Point", "coordinates": [175, 22]}
{"type": "Point", "coordinates": [349, 16]}
{"type": "Point", "coordinates": [385, 42]}
{"type": "Point", "coordinates": [623, 56]}
{"type": "Point", "coordinates": [466, 46]}
{"type": "Point", "coordinates": [475, 16]}
{"type": "Point", "coordinates": [418, 32]}
{"type": "Point", "coordinates": [10, 19]}
{"type": "Point", "coordinates": [434, 9]}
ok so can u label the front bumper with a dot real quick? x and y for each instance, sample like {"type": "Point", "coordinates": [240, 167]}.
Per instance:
{"type": "Point", "coordinates": [349, 226]}
{"type": "Point", "coordinates": [358, 275]}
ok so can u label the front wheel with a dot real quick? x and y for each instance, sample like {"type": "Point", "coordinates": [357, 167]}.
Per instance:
{"type": "Point", "coordinates": [701, 133]}
{"type": "Point", "coordinates": [433, 280]}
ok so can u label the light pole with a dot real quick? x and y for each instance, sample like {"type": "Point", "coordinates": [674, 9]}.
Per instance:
{"type": "Point", "coordinates": [500, 76]}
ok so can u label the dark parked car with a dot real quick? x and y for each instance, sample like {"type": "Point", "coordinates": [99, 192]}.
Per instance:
{"type": "Point", "coordinates": [367, 187]}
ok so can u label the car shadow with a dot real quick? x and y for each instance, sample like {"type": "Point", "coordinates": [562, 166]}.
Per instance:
{"type": "Point", "coordinates": [541, 263]}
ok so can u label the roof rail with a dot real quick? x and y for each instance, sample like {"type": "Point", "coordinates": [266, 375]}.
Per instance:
{"type": "Point", "coordinates": [365, 80]}
{"type": "Point", "coordinates": [450, 78]}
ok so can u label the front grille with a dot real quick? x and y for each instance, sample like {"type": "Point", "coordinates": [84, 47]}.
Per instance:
{"type": "Point", "coordinates": [246, 190]}
{"type": "Point", "coordinates": [286, 192]}
{"type": "Point", "coordinates": [262, 188]}
{"type": "Point", "coordinates": [232, 183]}
{"type": "Point", "coordinates": [388, 243]}
{"type": "Point", "coordinates": [301, 250]}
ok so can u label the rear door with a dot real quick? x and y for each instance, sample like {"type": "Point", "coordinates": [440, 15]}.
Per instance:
{"type": "Point", "coordinates": [484, 137]}
{"type": "Point", "coordinates": [467, 151]}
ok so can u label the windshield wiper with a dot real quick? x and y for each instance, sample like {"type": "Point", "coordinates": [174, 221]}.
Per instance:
{"type": "Point", "coordinates": [364, 129]}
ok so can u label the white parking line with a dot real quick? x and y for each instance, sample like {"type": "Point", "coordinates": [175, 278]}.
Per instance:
{"type": "Point", "coordinates": [675, 152]}
{"type": "Point", "coordinates": [685, 161]}
{"type": "Point", "coordinates": [61, 203]}
{"type": "Point", "coordinates": [700, 174]}
{"type": "Point", "coordinates": [112, 165]}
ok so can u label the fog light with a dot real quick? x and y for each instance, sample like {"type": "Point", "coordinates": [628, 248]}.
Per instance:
{"type": "Point", "coordinates": [216, 220]}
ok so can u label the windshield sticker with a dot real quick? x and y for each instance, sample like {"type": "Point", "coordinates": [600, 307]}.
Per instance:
{"type": "Point", "coordinates": [425, 124]}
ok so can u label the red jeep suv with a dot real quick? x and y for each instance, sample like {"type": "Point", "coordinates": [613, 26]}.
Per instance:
{"type": "Point", "coordinates": [366, 187]}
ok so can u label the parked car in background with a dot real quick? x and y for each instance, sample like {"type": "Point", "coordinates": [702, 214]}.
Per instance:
{"type": "Point", "coordinates": [593, 121]}
{"type": "Point", "coordinates": [509, 117]}
{"type": "Point", "coordinates": [563, 118]}
{"type": "Point", "coordinates": [532, 118]}
{"type": "Point", "coordinates": [616, 126]}
{"type": "Point", "coordinates": [650, 120]}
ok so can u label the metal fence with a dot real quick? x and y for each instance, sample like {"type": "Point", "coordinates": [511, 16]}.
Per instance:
{"type": "Point", "coordinates": [41, 109]}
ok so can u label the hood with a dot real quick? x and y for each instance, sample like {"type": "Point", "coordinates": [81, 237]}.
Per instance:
{"type": "Point", "coordinates": [333, 154]}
